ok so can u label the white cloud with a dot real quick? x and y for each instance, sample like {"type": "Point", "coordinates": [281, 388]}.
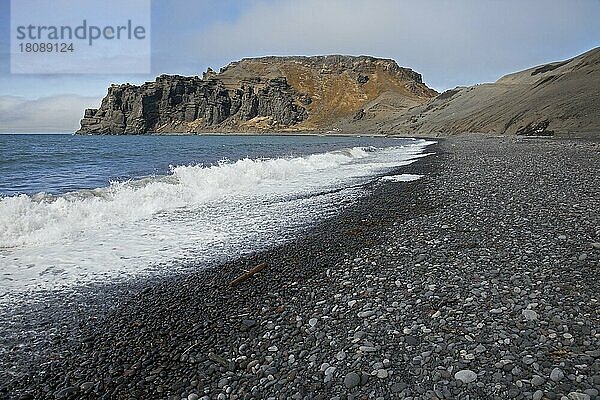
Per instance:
{"type": "Point", "coordinates": [59, 113]}
{"type": "Point", "coordinates": [450, 43]}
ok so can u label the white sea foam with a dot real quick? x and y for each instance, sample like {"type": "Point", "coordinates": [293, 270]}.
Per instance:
{"type": "Point", "coordinates": [401, 178]}
{"type": "Point", "coordinates": [195, 214]}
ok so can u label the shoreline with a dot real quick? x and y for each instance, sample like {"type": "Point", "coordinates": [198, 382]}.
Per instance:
{"type": "Point", "coordinates": [28, 322]}
{"type": "Point", "coordinates": [383, 300]}
{"type": "Point", "coordinates": [586, 135]}
{"type": "Point", "coordinates": [267, 133]}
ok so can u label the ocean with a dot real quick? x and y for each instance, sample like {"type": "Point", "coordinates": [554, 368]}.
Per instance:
{"type": "Point", "coordinates": [82, 210]}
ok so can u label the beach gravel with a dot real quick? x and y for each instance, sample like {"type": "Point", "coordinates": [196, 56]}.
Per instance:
{"type": "Point", "coordinates": [469, 283]}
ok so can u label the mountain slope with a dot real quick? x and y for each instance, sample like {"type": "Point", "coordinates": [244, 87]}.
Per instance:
{"type": "Point", "coordinates": [261, 94]}
{"type": "Point", "coordinates": [560, 97]}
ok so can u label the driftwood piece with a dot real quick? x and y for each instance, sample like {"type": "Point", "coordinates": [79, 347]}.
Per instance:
{"type": "Point", "coordinates": [218, 359]}
{"type": "Point", "coordinates": [248, 274]}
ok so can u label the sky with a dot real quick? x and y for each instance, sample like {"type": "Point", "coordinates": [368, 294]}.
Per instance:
{"type": "Point", "coordinates": [451, 43]}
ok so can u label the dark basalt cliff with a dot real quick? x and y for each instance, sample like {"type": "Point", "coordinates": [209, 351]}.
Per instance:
{"type": "Point", "coordinates": [259, 94]}
{"type": "Point", "coordinates": [175, 102]}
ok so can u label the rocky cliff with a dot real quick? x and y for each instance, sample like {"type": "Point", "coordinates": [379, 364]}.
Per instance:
{"type": "Point", "coordinates": [560, 97]}
{"type": "Point", "coordinates": [261, 94]}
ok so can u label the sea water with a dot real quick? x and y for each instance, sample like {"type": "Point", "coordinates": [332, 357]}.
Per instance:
{"type": "Point", "coordinates": [78, 210]}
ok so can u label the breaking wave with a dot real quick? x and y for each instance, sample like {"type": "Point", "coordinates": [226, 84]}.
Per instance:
{"type": "Point", "coordinates": [194, 214]}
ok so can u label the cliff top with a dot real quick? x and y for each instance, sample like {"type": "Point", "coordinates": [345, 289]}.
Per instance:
{"type": "Point", "coordinates": [273, 66]}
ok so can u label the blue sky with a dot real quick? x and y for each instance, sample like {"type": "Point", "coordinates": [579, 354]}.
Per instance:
{"type": "Point", "coordinates": [449, 43]}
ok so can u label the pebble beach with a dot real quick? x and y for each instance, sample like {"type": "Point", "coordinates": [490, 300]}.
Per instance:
{"type": "Point", "coordinates": [480, 280]}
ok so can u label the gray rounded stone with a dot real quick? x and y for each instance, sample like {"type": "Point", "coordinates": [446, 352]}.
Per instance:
{"type": "Point", "coordinates": [578, 396]}
{"type": "Point", "coordinates": [466, 375]}
{"type": "Point", "coordinates": [529, 315]}
{"type": "Point", "coordinates": [351, 380]}
{"type": "Point", "coordinates": [537, 380]}
{"type": "Point", "coordinates": [382, 373]}
{"type": "Point", "coordinates": [557, 375]}
{"type": "Point", "coordinates": [537, 395]}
